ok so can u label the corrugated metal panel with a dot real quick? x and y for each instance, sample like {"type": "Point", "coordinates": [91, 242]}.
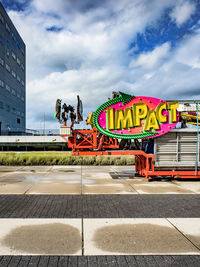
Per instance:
{"type": "Point", "coordinates": [176, 149]}
{"type": "Point", "coordinates": [166, 157]}
{"type": "Point", "coordinates": [166, 147]}
{"type": "Point", "coordinates": [187, 147]}
{"type": "Point", "coordinates": [185, 137]}
{"type": "Point", "coordinates": [187, 157]}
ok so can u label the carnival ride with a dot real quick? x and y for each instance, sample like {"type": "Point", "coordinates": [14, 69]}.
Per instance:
{"type": "Point", "coordinates": [174, 154]}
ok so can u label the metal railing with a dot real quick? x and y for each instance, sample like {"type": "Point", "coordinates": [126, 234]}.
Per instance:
{"type": "Point", "coordinates": [28, 132]}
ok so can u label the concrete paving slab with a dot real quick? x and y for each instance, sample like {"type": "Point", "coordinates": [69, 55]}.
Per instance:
{"type": "Point", "coordinates": [9, 168]}
{"type": "Point", "coordinates": [56, 168]}
{"type": "Point", "coordinates": [55, 188]}
{"type": "Point", "coordinates": [14, 188]}
{"type": "Point", "coordinates": [100, 178]}
{"type": "Point", "coordinates": [96, 169]}
{"type": "Point", "coordinates": [95, 180]}
{"type": "Point", "coordinates": [102, 183]}
{"type": "Point", "coordinates": [190, 227]}
{"type": "Point", "coordinates": [41, 177]}
{"type": "Point", "coordinates": [193, 185]}
{"type": "Point", "coordinates": [134, 237]}
{"type": "Point", "coordinates": [22, 177]}
{"type": "Point", "coordinates": [124, 169]}
{"type": "Point", "coordinates": [160, 188]}
{"type": "Point", "coordinates": [108, 188]}
{"type": "Point", "coordinates": [40, 237]}
{"type": "Point", "coordinates": [4, 174]}
{"type": "Point", "coordinates": [59, 180]}
{"type": "Point", "coordinates": [97, 176]}
{"type": "Point", "coordinates": [36, 168]}
{"type": "Point", "coordinates": [62, 176]}
{"type": "Point", "coordinates": [135, 181]}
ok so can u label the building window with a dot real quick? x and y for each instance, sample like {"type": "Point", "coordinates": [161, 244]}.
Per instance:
{"type": "Point", "coordinates": [1, 83]}
{"type": "Point", "coordinates": [22, 82]}
{"type": "Point", "coordinates": [18, 120]}
{"type": "Point", "coordinates": [22, 114]}
{"type": "Point", "coordinates": [22, 66]}
{"type": "Point", "coordinates": [18, 95]}
{"type": "Point", "coordinates": [14, 110]}
{"type": "Point", "coordinates": [22, 98]}
{"type": "Point", "coordinates": [13, 55]}
{"type": "Point", "coordinates": [13, 92]}
{"type": "Point", "coordinates": [8, 68]}
{"type": "Point", "coordinates": [7, 27]}
{"type": "Point", "coordinates": [7, 108]}
{"type": "Point", "coordinates": [18, 61]}
{"type": "Point", "coordinates": [13, 74]}
{"type": "Point", "coordinates": [1, 61]}
{"type": "Point", "coordinates": [18, 44]}
{"type": "Point", "coordinates": [1, 40]}
{"type": "Point", "coordinates": [13, 36]}
{"type": "Point", "coordinates": [1, 105]}
{"type": "Point", "coordinates": [7, 53]}
{"type": "Point", "coordinates": [1, 18]}
{"type": "Point", "coordinates": [7, 87]}
{"type": "Point", "coordinates": [18, 78]}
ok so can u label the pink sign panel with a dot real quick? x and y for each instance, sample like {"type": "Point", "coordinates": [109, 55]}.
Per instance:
{"type": "Point", "coordinates": [128, 117]}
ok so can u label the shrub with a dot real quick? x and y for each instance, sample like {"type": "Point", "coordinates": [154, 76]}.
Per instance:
{"type": "Point", "coordinates": [61, 158]}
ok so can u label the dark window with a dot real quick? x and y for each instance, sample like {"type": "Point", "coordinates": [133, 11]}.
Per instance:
{"type": "Point", "coordinates": [1, 40]}
{"type": "Point", "coordinates": [1, 105]}
{"type": "Point", "coordinates": [7, 108]}
{"type": "Point", "coordinates": [18, 120]}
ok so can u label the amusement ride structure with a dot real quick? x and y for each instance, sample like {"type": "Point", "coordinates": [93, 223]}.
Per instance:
{"type": "Point", "coordinates": [141, 126]}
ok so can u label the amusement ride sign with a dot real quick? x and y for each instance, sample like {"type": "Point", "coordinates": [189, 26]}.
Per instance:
{"type": "Point", "coordinates": [129, 117]}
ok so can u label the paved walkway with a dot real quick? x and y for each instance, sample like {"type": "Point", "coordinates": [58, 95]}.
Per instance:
{"type": "Point", "coordinates": [100, 261]}
{"type": "Point", "coordinates": [96, 216]}
{"type": "Point", "coordinates": [86, 180]}
{"type": "Point", "coordinates": [100, 206]}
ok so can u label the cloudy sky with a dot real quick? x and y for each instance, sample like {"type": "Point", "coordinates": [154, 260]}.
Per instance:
{"type": "Point", "coordinates": [92, 47]}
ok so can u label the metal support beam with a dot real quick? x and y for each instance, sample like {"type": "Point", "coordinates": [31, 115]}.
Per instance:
{"type": "Point", "coordinates": [197, 147]}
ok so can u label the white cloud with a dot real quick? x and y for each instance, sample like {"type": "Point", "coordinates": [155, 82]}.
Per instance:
{"type": "Point", "coordinates": [182, 12]}
{"type": "Point", "coordinates": [151, 59]}
{"type": "Point", "coordinates": [177, 77]}
{"type": "Point", "coordinates": [188, 53]}
{"type": "Point", "coordinates": [91, 56]}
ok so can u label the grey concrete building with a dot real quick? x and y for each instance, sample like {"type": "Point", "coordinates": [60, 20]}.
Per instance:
{"type": "Point", "coordinates": [12, 77]}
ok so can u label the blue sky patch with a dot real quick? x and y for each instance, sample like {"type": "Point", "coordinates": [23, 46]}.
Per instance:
{"type": "Point", "coordinates": [54, 29]}
{"type": "Point", "coordinates": [165, 30]}
{"type": "Point", "coordinates": [19, 5]}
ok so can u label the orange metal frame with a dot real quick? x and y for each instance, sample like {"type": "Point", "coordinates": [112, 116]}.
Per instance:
{"type": "Point", "coordinates": [144, 166]}
{"type": "Point", "coordinates": [92, 143]}
{"type": "Point", "coordinates": [89, 140]}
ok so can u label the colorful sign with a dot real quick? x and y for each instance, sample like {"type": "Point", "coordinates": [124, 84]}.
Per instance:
{"type": "Point", "coordinates": [129, 117]}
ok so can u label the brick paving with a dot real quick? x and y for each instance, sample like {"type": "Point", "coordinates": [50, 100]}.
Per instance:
{"type": "Point", "coordinates": [99, 206]}
{"type": "Point", "coordinates": [99, 261]}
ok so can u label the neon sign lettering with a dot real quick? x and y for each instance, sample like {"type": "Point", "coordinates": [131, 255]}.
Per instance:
{"type": "Point", "coordinates": [128, 117]}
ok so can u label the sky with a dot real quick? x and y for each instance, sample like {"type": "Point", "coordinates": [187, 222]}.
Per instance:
{"type": "Point", "coordinates": [93, 47]}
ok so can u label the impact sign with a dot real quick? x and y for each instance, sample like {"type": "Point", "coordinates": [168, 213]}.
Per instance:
{"type": "Point", "coordinates": [129, 117]}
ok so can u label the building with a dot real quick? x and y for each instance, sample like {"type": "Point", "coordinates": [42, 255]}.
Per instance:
{"type": "Point", "coordinates": [12, 78]}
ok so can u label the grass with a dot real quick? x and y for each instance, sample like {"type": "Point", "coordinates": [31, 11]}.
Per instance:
{"type": "Point", "coordinates": [60, 158]}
